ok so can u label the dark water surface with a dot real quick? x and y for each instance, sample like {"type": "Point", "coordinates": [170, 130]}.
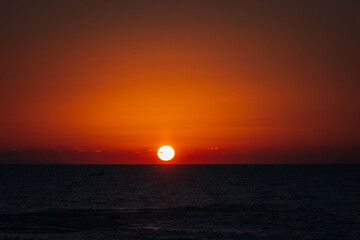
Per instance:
{"type": "Point", "coordinates": [180, 202]}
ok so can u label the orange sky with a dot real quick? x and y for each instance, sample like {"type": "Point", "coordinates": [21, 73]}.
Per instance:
{"type": "Point", "coordinates": [193, 74]}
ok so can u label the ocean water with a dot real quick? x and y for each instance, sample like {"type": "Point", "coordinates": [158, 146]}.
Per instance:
{"type": "Point", "coordinates": [180, 202]}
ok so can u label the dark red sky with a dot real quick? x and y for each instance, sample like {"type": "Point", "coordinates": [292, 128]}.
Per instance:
{"type": "Point", "coordinates": [256, 76]}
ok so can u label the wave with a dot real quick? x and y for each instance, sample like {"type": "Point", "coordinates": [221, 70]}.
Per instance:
{"type": "Point", "coordinates": [70, 220]}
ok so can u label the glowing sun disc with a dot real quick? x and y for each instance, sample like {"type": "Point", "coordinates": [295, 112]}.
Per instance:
{"type": "Point", "coordinates": [166, 153]}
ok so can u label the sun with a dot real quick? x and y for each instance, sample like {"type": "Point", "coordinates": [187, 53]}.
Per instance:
{"type": "Point", "coordinates": [166, 153]}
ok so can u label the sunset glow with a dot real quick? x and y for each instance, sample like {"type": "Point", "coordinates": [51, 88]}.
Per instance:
{"type": "Point", "coordinates": [268, 78]}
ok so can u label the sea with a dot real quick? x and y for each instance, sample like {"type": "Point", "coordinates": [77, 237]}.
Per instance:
{"type": "Point", "coordinates": [179, 202]}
